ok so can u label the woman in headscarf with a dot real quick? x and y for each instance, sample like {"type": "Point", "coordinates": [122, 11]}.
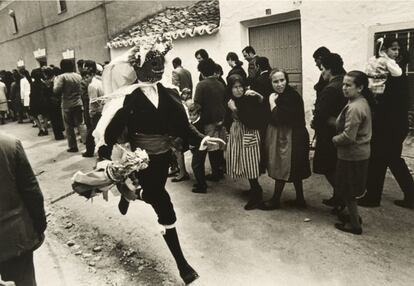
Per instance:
{"type": "Point", "coordinates": [287, 141]}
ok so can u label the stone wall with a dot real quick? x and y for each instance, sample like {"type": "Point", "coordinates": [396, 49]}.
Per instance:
{"type": "Point", "coordinates": [84, 27]}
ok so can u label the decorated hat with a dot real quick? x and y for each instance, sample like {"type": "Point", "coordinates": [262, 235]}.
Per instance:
{"type": "Point", "coordinates": [159, 44]}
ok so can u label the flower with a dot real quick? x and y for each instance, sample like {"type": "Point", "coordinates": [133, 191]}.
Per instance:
{"type": "Point", "coordinates": [108, 173]}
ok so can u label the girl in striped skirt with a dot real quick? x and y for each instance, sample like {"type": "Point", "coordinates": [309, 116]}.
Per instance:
{"type": "Point", "coordinates": [243, 147]}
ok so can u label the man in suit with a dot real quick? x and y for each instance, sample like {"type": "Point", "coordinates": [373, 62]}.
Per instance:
{"type": "Point", "coordinates": [22, 215]}
{"type": "Point", "coordinates": [181, 77]}
{"type": "Point", "coordinates": [210, 94]}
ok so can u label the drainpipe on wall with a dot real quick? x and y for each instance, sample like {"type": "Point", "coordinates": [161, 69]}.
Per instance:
{"type": "Point", "coordinates": [106, 30]}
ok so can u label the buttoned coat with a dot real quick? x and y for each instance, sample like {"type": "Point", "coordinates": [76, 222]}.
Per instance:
{"type": "Point", "coordinates": [22, 215]}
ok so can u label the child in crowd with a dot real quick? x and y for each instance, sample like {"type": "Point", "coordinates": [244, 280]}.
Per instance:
{"type": "Point", "coordinates": [194, 111]}
{"type": "Point", "coordinates": [383, 64]}
{"type": "Point", "coordinates": [354, 130]}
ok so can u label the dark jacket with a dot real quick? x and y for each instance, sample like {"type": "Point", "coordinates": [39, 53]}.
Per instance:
{"type": "Point", "coordinates": [69, 86]}
{"type": "Point", "coordinates": [182, 78]}
{"type": "Point", "coordinates": [263, 85]}
{"type": "Point", "coordinates": [251, 70]}
{"type": "Point", "coordinates": [38, 101]}
{"type": "Point", "coordinates": [319, 86]}
{"type": "Point", "coordinates": [138, 115]}
{"type": "Point", "coordinates": [22, 215]}
{"type": "Point", "coordinates": [329, 105]}
{"type": "Point", "coordinates": [250, 112]}
{"type": "Point", "coordinates": [210, 94]}
{"type": "Point", "coordinates": [289, 110]}
{"type": "Point", "coordinates": [236, 70]}
{"type": "Point", "coordinates": [15, 96]}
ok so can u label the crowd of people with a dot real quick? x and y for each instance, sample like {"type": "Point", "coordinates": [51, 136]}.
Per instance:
{"type": "Point", "coordinates": [360, 121]}
{"type": "Point", "coordinates": [57, 97]}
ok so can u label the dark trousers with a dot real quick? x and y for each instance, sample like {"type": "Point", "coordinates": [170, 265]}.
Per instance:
{"type": "Point", "coordinates": [20, 270]}
{"type": "Point", "coordinates": [152, 181]}
{"type": "Point", "coordinates": [55, 116]}
{"type": "Point", "coordinates": [73, 118]}
{"type": "Point", "coordinates": [386, 153]}
{"type": "Point", "coordinates": [90, 141]}
{"type": "Point", "coordinates": [217, 162]}
{"type": "Point", "coordinates": [197, 164]}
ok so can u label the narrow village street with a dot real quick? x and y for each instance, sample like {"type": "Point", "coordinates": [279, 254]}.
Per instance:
{"type": "Point", "coordinates": [91, 243]}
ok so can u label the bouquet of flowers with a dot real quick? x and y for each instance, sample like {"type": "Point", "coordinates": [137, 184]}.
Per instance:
{"type": "Point", "coordinates": [107, 174]}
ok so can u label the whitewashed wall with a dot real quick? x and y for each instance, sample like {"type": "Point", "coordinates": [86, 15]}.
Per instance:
{"type": "Point", "coordinates": [342, 26]}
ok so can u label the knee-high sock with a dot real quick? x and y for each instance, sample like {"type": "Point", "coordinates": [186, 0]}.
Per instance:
{"type": "Point", "coordinates": [171, 238]}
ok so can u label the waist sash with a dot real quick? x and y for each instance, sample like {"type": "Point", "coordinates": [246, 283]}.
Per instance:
{"type": "Point", "coordinates": [154, 144]}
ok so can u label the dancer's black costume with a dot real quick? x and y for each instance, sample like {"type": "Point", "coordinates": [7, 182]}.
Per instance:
{"type": "Point", "coordinates": [153, 129]}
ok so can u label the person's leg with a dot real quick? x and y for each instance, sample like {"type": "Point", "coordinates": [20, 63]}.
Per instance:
{"type": "Point", "coordinates": [299, 202]}
{"type": "Point", "coordinates": [256, 195]}
{"type": "Point", "coordinates": [216, 162]}
{"type": "Point", "coordinates": [197, 164]}
{"type": "Point", "coordinates": [401, 174]}
{"type": "Point", "coordinates": [90, 143]}
{"type": "Point", "coordinates": [182, 174]}
{"type": "Point", "coordinates": [56, 126]}
{"type": "Point", "coordinates": [20, 270]}
{"type": "Point", "coordinates": [43, 123]}
{"type": "Point", "coordinates": [333, 201]}
{"type": "Point", "coordinates": [38, 124]}
{"type": "Point", "coordinates": [70, 131]}
{"type": "Point", "coordinates": [274, 202]}
{"type": "Point", "coordinates": [173, 165]}
{"type": "Point", "coordinates": [153, 181]}
{"type": "Point", "coordinates": [78, 122]}
{"type": "Point", "coordinates": [354, 219]}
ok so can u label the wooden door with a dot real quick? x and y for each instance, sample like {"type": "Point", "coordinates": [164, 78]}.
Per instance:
{"type": "Point", "coordinates": [281, 44]}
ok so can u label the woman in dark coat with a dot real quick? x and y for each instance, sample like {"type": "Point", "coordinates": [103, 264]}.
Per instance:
{"type": "Point", "coordinates": [15, 98]}
{"type": "Point", "coordinates": [53, 104]}
{"type": "Point", "coordinates": [389, 130]}
{"type": "Point", "coordinates": [327, 108]}
{"type": "Point", "coordinates": [287, 141]}
{"type": "Point", "coordinates": [236, 66]}
{"type": "Point", "coordinates": [38, 103]}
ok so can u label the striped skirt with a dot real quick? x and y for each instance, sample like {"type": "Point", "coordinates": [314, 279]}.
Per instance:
{"type": "Point", "coordinates": [243, 152]}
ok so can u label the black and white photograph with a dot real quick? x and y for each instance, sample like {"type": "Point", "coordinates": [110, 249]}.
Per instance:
{"type": "Point", "coordinates": [206, 142]}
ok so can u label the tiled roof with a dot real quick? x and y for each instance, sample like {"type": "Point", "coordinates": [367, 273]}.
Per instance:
{"type": "Point", "coordinates": [200, 18]}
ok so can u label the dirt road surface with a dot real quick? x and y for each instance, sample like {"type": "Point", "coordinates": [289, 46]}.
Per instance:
{"type": "Point", "coordinates": [91, 243]}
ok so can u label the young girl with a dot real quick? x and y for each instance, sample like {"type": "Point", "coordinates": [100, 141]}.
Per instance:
{"type": "Point", "coordinates": [353, 147]}
{"type": "Point", "coordinates": [243, 147]}
{"type": "Point", "coordinates": [383, 64]}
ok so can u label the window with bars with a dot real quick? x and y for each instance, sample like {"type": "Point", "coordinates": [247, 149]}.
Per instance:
{"type": "Point", "coordinates": [406, 38]}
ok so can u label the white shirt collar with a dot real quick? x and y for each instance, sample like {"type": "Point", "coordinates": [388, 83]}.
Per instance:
{"type": "Point", "coordinates": [151, 92]}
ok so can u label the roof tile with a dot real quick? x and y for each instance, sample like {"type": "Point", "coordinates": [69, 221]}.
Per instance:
{"type": "Point", "coordinates": [195, 20]}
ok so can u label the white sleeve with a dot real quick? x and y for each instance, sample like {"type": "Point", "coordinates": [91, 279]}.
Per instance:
{"type": "Point", "coordinates": [393, 68]}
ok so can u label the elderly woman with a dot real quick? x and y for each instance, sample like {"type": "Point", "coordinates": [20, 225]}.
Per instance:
{"type": "Point", "coordinates": [243, 149]}
{"type": "Point", "coordinates": [287, 141]}
{"type": "Point", "coordinates": [327, 108]}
